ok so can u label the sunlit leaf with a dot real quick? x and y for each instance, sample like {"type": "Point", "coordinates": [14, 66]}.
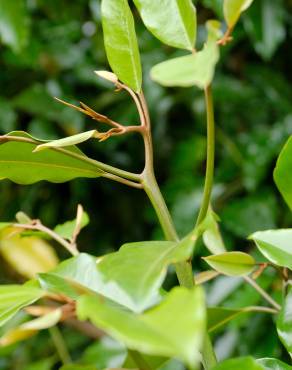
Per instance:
{"type": "Point", "coordinates": [121, 43]}
{"type": "Point", "coordinates": [19, 164]}
{"type": "Point", "coordinates": [27, 255]}
{"type": "Point", "coordinates": [275, 245]}
{"type": "Point", "coordinates": [284, 322]}
{"type": "Point", "coordinates": [233, 9]}
{"type": "Point", "coordinates": [14, 24]}
{"type": "Point", "coordinates": [283, 172]}
{"type": "Point", "coordinates": [14, 297]}
{"type": "Point", "coordinates": [194, 69]}
{"type": "Point", "coordinates": [231, 263]}
{"type": "Point", "coordinates": [147, 332]}
{"type": "Point", "coordinates": [174, 22]}
{"type": "Point", "coordinates": [30, 328]}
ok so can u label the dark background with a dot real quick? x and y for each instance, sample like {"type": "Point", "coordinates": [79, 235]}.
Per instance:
{"type": "Point", "coordinates": [59, 47]}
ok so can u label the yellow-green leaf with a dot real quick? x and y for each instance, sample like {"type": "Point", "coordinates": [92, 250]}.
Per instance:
{"type": "Point", "coordinates": [121, 42]}
{"type": "Point", "coordinates": [231, 263]}
{"type": "Point", "coordinates": [233, 9]}
{"type": "Point", "coordinates": [27, 255]}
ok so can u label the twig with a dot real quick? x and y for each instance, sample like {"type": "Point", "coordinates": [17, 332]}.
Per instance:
{"type": "Point", "coordinates": [262, 292]}
{"type": "Point", "coordinates": [38, 226]}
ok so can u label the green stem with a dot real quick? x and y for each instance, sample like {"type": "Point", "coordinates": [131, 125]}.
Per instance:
{"type": "Point", "coordinates": [60, 345]}
{"type": "Point", "coordinates": [210, 155]}
{"type": "Point", "coordinates": [208, 355]}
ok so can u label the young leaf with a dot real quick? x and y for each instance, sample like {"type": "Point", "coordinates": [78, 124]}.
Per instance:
{"type": "Point", "coordinates": [173, 22]}
{"type": "Point", "coordinates": [121, 43]}
{"type": "Point", "coordinates": [31, 328]}
{"type": "Point", "coordinates": [27, 255]}
{"type": "Point", "coordinates": [66, 230]}
{"type": "Point", "coordinates": [14, 297]}
{"type": "Point", "coordinates": [273, 364]}
{"type": "Point", "coordinates": [283, 172]}
{"type": "Point", "coordinates": [240, 363]}
{"type": "Point", "coordinates": [231, 263]}
{"type": "Point", "coordinates": [233, 9]}
{"type": "Point", "coordinates": [18, 163]}
{"type": "Point", "coordinates": [14, 25]}
{"type": "Point", "coordinates": [211, 236]}
{"type": "Point", "coordinates": [68, 141]}
{"type": "Point", "coordinates": [181, 316]}
{"type": "Point", "coordinates": [275, 245]}
{"type": "Point", "coordinates": [195, 69]}
{"type": "Point", "coordinates": [284, 322]}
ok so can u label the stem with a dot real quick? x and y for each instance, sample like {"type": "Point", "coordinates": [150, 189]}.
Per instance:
{"type": "Point", "coordinates": [262, 292]}
{"type": "Point", "coordinates": [40, 227]}
{"type": "Point", "coordinates": [60, 345]}
{"type": "Point", "coordinates": [208, 355]}
{"type": "Point", "coordinates": [210, 155]}
{"type": "Point", "coordinates": [139, 360]}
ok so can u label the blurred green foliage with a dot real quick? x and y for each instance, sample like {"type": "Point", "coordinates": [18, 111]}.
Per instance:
{"type": "Point", "coordinates": [51, 48]}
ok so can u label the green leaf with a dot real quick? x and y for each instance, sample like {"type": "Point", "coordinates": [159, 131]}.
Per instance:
{"type": "Point", "coordinates": [240, 363]}
{"type": "Point", "coordinates": [219, 316]}
{"type": "Point", "coordinates": [173, 22]}
{"type": "Point", "coordinates": [14, 297]}
{"type": "Point", "coordinates": [66, 229]}
{"type": "Point", "coordinates": [78, 367]}
{"type": "Point", "coordinates": [284, 322]}
{"type": "Point", "coordinates": [233, 9]}
{"type": "Point", "coordinates": [18, 163]}
{"type": "Point", "coordinates": [147, 332]}
{"type": "Point", "coordinates": [31, 328]}
{"type": "Point", "coordinates": [68, 141]}
{"type": "Point", "coordinates": [14, 30]}
{"type": "Point", "coordinates": [211, 236]}
{"type": "Point", "coordinates": [283, 172]}
{"type": "Point", "coordinates": [131, 277]}
{"type": "Point", "coordinates": [273, 364]}
{"type": "Point", "coordinates": [121, 43]}
{"type": "Point", "coordinates": [195, 69]}
{"type": "Point", "coordinates": [275, 245]}
{"type": "Point", "coordinates": [231, 263]}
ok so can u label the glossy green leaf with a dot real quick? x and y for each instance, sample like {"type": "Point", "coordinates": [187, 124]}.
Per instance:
{"type": "Point", "coordinates": [275, 245]}
{"type": "Point", "coordinates": [14, 25]}
{"type": "Point", "coordinates": [133, 275]}
{"type": "Point", "coordinates": [18, 163]}
{"type": "Point", "coordinates": [273, 364]}
{"type": "Point", "coordinates": [211, 236]}
{"type": "Point", "coordinates": [173, 22]}
{"type": "Point", "coordinates": [67, 141]}
{"type": "Point", "coordinates": [194, 69]}
{"type": "Point", "coordinates": [231, 263]}
{"type": "Point", "coordinates": [147, 332]}
{"type": "Point", "coordinates": [233, 9]}
{"type": "Point", "coordinates": [284, 322]}
{"type": "Point", "coordinates": [66, 229]}
{"type": "Point", "coordinates": [283, 172]}
{"type": "Point", "coordinates": [14, 297]}
{"type": "Point", "coordinates": [240, 363]}
{"type": "Point", "coordinates": [31, 328]}
{"type": "Point", "coordinates": [121, 43]}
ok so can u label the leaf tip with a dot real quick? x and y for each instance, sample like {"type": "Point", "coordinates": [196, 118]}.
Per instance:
{"type": "Point", "coordinates": [109, 76]}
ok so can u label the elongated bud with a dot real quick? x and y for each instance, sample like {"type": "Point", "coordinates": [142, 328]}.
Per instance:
{"type": "Point", "coordinates": [109, 76]}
